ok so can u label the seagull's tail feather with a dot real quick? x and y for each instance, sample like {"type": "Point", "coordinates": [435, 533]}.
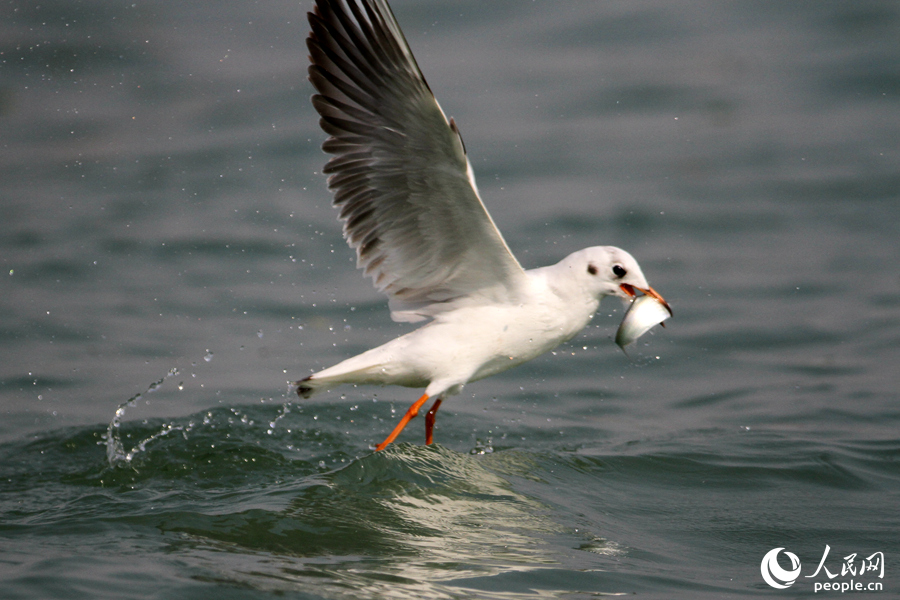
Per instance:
{"type": "Point", "coordinates": [306, 387]}
{"type": "Point", "coordinates": [329, 378]}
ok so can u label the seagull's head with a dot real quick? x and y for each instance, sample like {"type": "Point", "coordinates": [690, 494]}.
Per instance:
{"type": "Point", "coordinates": [610, 271]}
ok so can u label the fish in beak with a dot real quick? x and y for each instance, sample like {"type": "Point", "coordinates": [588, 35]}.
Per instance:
{"type": "Point", "coordinates": [645, 311]}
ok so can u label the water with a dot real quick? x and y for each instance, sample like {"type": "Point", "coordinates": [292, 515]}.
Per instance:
{"type": "Point", "coordinates": [170, 261]}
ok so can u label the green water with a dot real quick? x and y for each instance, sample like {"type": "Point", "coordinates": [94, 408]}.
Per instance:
{"type": "Point", "coordinates": [255, 500]}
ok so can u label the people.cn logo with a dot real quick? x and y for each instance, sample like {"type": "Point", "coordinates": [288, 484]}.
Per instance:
{"type": "Point", "coordinates": [773, 573]}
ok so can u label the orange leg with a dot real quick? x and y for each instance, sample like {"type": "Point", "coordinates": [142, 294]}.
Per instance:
{"type": "Point", "coordinates": [410, 414]}
{"type": "Point", "coordinates": [429, 421]}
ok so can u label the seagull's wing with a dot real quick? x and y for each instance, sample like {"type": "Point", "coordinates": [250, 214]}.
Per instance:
{"type": "Point", "coordinates": [400, 175]}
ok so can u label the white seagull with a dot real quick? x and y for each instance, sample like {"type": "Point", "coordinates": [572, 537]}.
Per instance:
{"type": "Point", "coordinates": [411, 210]}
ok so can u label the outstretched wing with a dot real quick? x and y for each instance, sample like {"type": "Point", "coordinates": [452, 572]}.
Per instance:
{"type": "Point", "coordinates": [400, 175]}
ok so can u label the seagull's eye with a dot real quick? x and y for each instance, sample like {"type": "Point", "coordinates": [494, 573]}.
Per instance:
{"type": "Point", "coordinates": [592, 269]}
{"type": "Point", "coordinates": [619, 271]}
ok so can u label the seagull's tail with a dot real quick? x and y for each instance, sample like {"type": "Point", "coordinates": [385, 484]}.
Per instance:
{"type": "Point", "coordinates": [371, 367]}
{"type": "Point", "coordinates": [305, 387]}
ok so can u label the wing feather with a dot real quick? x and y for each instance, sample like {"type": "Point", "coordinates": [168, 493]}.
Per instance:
{"type": "Point", "coordinates": [399, 174]}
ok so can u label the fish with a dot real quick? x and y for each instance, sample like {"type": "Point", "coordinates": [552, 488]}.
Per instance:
{"type": "Point", "coordinates": [644, 313]}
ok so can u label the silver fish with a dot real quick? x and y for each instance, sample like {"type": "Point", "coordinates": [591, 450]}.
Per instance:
{"type": "Point", "coordinates": [643, 314]}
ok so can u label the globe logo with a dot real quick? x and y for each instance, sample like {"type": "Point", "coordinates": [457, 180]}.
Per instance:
{"type": "Point", "coordinates": [773, 573]}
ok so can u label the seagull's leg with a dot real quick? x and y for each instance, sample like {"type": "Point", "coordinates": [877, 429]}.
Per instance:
{"type": "Point", "coordinates": [410, 414]}
{"type": "Point", "coordinates": [429, 420]}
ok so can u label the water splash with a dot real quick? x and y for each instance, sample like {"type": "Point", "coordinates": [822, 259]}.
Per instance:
{"type": "Point", "coordinates": [285, 411]}
{"type": "Point", "coordinates": [482, 448]}
{"type": "Point", "coordinates": [115, 450]}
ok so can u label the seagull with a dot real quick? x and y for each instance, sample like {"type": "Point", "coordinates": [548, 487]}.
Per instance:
{"type": "Point", "coordinates": [411, 210]}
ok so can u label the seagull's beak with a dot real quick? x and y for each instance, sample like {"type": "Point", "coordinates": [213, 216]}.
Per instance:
{"type": "Point", "coordinates": [648, 291]}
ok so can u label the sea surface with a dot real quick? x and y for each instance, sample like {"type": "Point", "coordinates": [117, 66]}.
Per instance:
{"type": "Point", "coordinates": [170, 260]}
